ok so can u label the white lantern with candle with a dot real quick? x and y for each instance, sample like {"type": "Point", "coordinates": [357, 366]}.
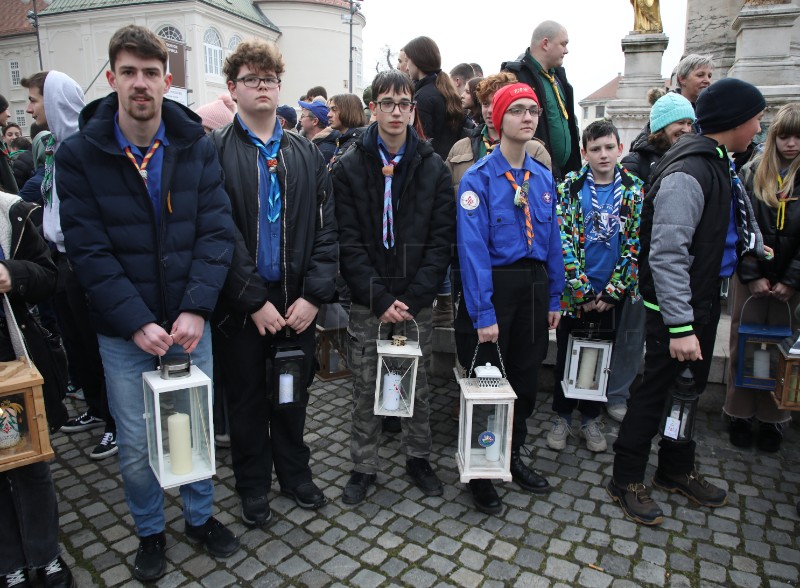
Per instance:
{"type": "Point", "coordinates": [396, 384]}
{"type": "Point", "coordinates": [180, 427]}
{"type": "Point", "coordinates": [587, 368]}
{"type": "Point", "coordinates": [485, 424]}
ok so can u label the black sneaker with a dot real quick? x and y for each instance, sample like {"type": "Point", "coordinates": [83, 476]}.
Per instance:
{"type": "Point", "coordinates": [16, 579]}
{"type": "Point", "coordinates": [355, 491]}
{"type": "Point", "coordinates": [740, 432]}
{"type": "Point", "coordinates": [218, 540]}
{"type": "Point", "coordinates": [423, 476]}
{"type": "Point", "coordinates": [693, 486]}
{"type": "Point", "coordinates": [82, 423]}
{"type": "Point", "coordinates": [150, 564]}
{"type": "Point", "coordinates": [107, 446]}
{"type": "Point", "coordinates": [635, 502]}
{"type": "Point", "coordinates": [306, 495]}
{"type": "Point", "coordinates": [256, 511]}
{"type": "Point", "coordinates": [56, 574]}
{"type": "Point", "coordinates": [770, 436]}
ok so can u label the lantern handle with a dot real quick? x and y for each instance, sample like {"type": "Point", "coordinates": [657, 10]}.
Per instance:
{"type": "Point", "coordinates": [499, 356]}
{"type": "Point", "coordinates": [788, 310]}
{"type": "Point", "coordinates": [416, 326]}
{"type": "Point", "coordinates": [188, 357]}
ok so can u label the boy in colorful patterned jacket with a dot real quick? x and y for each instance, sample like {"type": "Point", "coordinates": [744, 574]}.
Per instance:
{"type": "Point", "coordinates": [599, 208]}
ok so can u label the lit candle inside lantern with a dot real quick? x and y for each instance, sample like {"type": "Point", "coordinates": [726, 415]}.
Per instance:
{"type": "Point", "coordinates": [391, 391]}
{"type": "Point", "coordinates": [587, 368]}
{"type": "Point", "coordinates": [286, 389]}
{"type": "Point", "coordinates": [761, 362]}
{"type": "Point", "coordinates": [180, 443]}
{"type": "Point", "coordinates": [493, 450]}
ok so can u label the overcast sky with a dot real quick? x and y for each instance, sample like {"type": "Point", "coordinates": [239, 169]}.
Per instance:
{"type": "Point", "coordinates": [492, 31]}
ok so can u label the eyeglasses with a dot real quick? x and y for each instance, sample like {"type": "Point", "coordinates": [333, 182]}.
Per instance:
{"type": "Point", "coordinates": [519, 111]}
{"type": "Point", "coordinates": [389, 105]}
{"type": "Point", "coordinates": [255, 82]}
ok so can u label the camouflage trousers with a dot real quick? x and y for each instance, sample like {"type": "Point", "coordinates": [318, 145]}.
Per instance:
{"type": "Point", "coordinates": [362, 359]}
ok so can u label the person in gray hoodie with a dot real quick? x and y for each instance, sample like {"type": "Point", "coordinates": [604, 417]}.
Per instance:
{"type": "Point", "coordinates": [56, 100]}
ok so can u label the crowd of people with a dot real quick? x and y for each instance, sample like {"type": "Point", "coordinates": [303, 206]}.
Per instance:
{"type": "Point", "coordinates": [138, 229]}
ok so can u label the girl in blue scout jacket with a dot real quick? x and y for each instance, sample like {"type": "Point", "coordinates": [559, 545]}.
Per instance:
{"type": "Point", "coordinates": [512, 269]}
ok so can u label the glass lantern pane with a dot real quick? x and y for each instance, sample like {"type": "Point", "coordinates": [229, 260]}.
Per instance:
{"type": "Point", "coordinates": [397, 377]}
{"type": "Point", "coordinates": [791, 393]}
{"type": "Point", "coordinates": [590, 367]}
{"type": "Point", "coordinates": [489, 435]}
{"type": "Point", "coordinates": [15, 436]}
{"type": "Point", "coordinates": [290, 378]}
{"type": "Point", "coordinates": [759, 360]}
{"type": "Point", "coordinates": [150, 425]}
{"type": "Point", "coordinates": [186, 430]}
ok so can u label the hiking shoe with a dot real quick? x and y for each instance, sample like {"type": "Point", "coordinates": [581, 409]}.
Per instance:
{"type": "Point", "coordinates": [150, 564]}
{"type": "Point", "coordinates": [693, 486]}
{"type": "Point", "coordinates": [635, 503]}
{"type": "Point", "coordinates": [527, 478]}
{"type": "Point", "coordinates": [595, 440]}
{"type": "Point", "coordinates": [82, 423]}
{"type": "Point", "coordinates": [107, 446]}
{"type": "Point", "coordinates": [355, 491]}
{"type": "Point", "coordinates": [770, 436]}
{"type": "Point", "coordinates": [215, 537]}
{"type": "Point", "coordinates": [557, 436]}
{"type": "Point", "coordinates": [56, 574]}
{"type": "Point", "coordinates": [256, 511]}
{"type": "Point", "coordinates": [740, 432]}
{"type": "Point", "coordinates": [16, 579]}
{"type": "Point", "coordinates": [423, 476]}
{"type": "Point", "coordinates": [617, 411]}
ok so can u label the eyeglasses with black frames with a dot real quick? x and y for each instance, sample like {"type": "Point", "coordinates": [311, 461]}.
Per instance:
{"type": "Point", "coordinates": [255, 81]}
{"type": "Point", "coordinates": [388, 106]}
{"type": "Point", "coordinates": [519, 111]}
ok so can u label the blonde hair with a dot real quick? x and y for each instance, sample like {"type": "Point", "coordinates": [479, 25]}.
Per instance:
{"type": "Point", "coordinates": [765, 182]}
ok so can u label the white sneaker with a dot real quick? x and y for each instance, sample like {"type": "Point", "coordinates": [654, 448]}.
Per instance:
{"type": "Point", "coordinates": [557, 437]}
{"type": "Point", "coordinates": [617, 411]}
{"type": "Point", "coordinates": [595, 440]}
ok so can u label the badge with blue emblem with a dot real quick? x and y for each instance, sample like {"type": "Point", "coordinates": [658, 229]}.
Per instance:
{"type": "Point", "coordinates": [486, 439]}
{"type": "Point", "coordinates": [547, 197]}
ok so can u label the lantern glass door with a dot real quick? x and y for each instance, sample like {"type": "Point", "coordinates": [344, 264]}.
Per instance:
{"type": "Point", "coordinates": [289, 378]}
{"type": "Point", "coordinates": [24, 437]}
{"type": "Point", "coordinates": [398, 378]}
{"type": "Point", "coordinates": [15, 434]}
{"type": "Point", "coordinates": [586, 371]}
{"type": "Point", "coordinates": [489, 435]}
{"type": "Point", "coordinates": [758, 363]}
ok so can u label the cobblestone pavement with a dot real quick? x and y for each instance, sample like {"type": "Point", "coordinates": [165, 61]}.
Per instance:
{"type": "Point", "coordinates": [573, 537]}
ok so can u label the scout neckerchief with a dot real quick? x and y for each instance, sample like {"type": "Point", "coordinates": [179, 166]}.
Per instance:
{"type": "Point", "coordinates": [603, 222]}
{"type": "Point", "coordinates": [142, 169]}
{"type": "Point", "coordinates": [521, 200]}
{"type": "Point", "coordinates": [271, 157]}
{"type": "Point", "coordinates": [781, 218]}
{"type": "Point", "coordinates": [389, 162]}
{"type": "Point", "coordinates": [49, 159]}
{"type": "Point", "coordinates": [552, 80]}
{"type": "Point", "coordinates": [488, 143]}
{"type": "Point", "coordinates": [742, 207]}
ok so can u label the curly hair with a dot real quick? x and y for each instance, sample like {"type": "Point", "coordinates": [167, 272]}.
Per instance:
{"type": "Point", "coordinates": [491, 84]}
{"type": "Point", "coordinates": [256, 54]}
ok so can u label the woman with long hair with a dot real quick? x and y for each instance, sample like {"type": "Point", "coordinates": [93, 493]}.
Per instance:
{"type": "Point", "coordinates": [346, 115]}
{"type": "Point", "coordinates": [768, 287]}
{"type": "Point", "coordinates": [469, 100]}
{"type": "Point", "coordinates": [438, 105]}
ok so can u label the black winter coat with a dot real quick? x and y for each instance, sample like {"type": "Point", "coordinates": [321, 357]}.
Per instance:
{"type": "Point", "coordinates": [424, 224]}
{"type": "Point", "coordinates": [642, 160]}
{"type": "Point", "coordinates": [432, 113]}
{"type": "Point", "coordinates": [785, 243]}
{"type": "Point", "coordinates": [133, 271]}
{"type": "Point", "coordinates": [22, 165]}
{"type": "Point", "coordinates": [308, 225]}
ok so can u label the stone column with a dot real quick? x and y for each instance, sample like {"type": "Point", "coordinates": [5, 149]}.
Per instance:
{"type": "Point", "coordinates": [708, 32]}
{"type": "Point", "coordinates": [643, 55]}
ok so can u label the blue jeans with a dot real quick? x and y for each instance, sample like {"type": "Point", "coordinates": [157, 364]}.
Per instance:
{"type": "Point", "coordinates": [628, 351]}
{"type": "Point", "coordinates": [124, 364]}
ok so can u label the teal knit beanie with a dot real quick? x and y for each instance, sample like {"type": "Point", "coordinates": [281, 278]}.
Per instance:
{"type": "Point", "coordinates": [671, 107]}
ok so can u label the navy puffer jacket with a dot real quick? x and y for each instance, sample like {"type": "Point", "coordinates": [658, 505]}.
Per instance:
{"type": "Point", "coordinates": [134, 271]}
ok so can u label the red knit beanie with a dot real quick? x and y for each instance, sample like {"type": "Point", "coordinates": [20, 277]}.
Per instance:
{"type": "Point", "coordinates": [504, 97]}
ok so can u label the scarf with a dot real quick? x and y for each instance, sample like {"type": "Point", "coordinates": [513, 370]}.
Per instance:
{"type": "Point", "coordinates": [271, 155]}
{"type": "Point", "coordinates": [49, 160]}
{"type": "Point", "coordinates": [487, 144]}
{"type": "Point", "coordinates": [749, 234]}
{"type": "Point", "coordinates": [388, 215]}
{"type": "Point", "coordinates": [554, 83]}
{"type": "Point", "coordinates": [605, 225]}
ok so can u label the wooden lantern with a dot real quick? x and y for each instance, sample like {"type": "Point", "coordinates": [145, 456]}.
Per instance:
{"type": "Point", "coordinates": [331, 342]}
{"type": "Point", "coordinates": [787, 388]}
{"type": "Point", "coordinates": [24, 438]}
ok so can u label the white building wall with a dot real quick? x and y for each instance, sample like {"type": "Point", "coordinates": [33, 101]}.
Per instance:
{"type": "Point", "coordinates": [20, 49]}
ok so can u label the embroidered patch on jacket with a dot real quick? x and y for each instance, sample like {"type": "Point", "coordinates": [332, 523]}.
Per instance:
{"type": "Point", "coordinates": [547, 197]}
{"type": "Point", "coordinates": [470, 200]}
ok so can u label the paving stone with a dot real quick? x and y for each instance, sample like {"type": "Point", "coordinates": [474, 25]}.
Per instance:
{"type": "Point", "coordinates": [649, 574]}
{"type": "Point", "coordinates": [594, 578]}
{"type": "Point", "coordinates": [340, 566]}
{"type": "Point", "coordinates": [560, 569]}
{"type": "Point", "coordinates": [367, 579]}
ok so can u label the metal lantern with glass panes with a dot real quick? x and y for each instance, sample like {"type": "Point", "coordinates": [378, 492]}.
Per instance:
{"type": "Point", "coordinates": [757, 358]}
{"type": "Point", "coordinates": [289, 376]}
{"type": "Point", "coordinates": [396, 383]}
{"type": "Point", "coordinates": [587, 368]}
{"type": "Point", "coordinates": [677, 422]}
{"type": "Point", "coordinates": [178, 418]}
{"type": "Point", "coordinates": [485, 424]}
{"type": "Point", "coordinates": [787, 389]}
{"type": "Point", "coordinates": [24, 438]}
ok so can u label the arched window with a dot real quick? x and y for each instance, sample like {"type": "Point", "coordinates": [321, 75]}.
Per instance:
{"type": "Point", "coordinates": [233, 43]}
{"type": "Point", "coordinates": [212, 43]}
{"type": "Point", "coordinates": [170, 33]}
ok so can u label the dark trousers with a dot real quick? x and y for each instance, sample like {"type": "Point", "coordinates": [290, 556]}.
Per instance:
{"type": "Point", "coordinates": [80, 340]}
{"type": "Point", "coordinates": [260, 435]}
{"type": "Point", "coordinates": [521, 301]}
{"type": "Point", "coordinates": [646, 404]}
{"type": "Point", "coordinates": [603, 323]}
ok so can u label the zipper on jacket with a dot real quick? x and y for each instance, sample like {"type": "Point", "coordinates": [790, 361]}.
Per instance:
{"type": "Point", "coordinates": [283, 237]}
{"type": "Point", "coordinates": [22, 231]}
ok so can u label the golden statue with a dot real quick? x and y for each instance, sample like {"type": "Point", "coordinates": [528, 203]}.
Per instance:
{"type": "Point", "coordinates": [646, 16]}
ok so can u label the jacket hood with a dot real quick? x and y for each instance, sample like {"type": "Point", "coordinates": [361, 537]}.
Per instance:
{"type": "Point", "coordinates": [688, 145]}
{"type": "Point", "coordinates": [184, 127]}
{"type": "Point", "coordinates": [63, 101]}
{"type": "Point", "coordinates": [641, 139]}
{"type": "Point", "coordinates": [646, 148]}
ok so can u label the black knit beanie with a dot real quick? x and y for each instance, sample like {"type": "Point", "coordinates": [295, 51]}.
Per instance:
{"type": "Point", "coordinates": [726, 104]}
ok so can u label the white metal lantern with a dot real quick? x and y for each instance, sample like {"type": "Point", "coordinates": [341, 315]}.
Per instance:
{"type": "Point", "coordinates": [180, 427]}
{"type": "Point", "coordinates": [485, 424]}
{"type": "Point", "coordinates": [587, 368]}
{"type": "Point", "coordinates": [396, 383]}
